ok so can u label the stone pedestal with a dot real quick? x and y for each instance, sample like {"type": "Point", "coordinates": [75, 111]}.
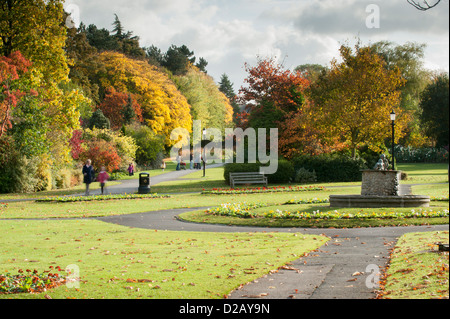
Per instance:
{"type": "Point", "coordinates": [380, 189]}
{"type": "Point", "coordinates": [380, 183]}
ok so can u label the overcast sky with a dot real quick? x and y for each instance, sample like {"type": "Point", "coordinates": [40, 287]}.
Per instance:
{"type": "Point", "coordinates": [228, 33]}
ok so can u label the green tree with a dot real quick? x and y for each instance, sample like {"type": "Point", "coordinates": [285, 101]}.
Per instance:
{"type": "Point", "coordinates": [226, 87]}
{"type": "Point", "coordinates": [434, 105]}
{"type": "Point", "coordinates": [149, 144]}
{"type": "Point", "coordinates": [311, 71]}
{"type": "Point", "coordinates": [99, 121]}
{"type": "Point", "coordinates": [409, 59]}
{"type": "Point", "coordinates": [154, 55]}
{"type": "Point", "coordinates": [201, 65]}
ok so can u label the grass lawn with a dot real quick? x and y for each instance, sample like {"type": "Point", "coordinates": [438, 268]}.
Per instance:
{"type": "Point", "coordinates": [424, 173]}
{"type": "Point", "coordinates": [118, 262]}
{"type": "Point", "coordinates": [416, 270]}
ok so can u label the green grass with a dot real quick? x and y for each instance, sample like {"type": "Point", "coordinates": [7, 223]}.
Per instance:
{"type": "Point", "coordinates": [416, 270]}
{"type": "Point", "coordinates": [170, 265]}
{"type": "Point", "coordinates": [424, 173]}
{"type": "Point", "coordinates": [194, 182]}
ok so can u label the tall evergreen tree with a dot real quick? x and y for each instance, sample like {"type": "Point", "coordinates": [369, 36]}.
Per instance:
{"type": "Point", "coordinates": [226, 87]}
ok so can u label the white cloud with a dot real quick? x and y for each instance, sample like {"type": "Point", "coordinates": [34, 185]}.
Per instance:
{"type": "Point", "coordinates": [229, 33]}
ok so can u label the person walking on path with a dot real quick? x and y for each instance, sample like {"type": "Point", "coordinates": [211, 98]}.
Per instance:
{"type": "Point", "coordinates": [102, 178]}
{"type": "Point", "coordinates": [88, 173]}
{"type": "Point", "coordinates": [131, 169]}
{"type": "Point", "coordinates": [178, 162]}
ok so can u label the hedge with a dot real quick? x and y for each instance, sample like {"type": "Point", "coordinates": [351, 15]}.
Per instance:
{"type": "Point", "coordinates": [331, 168]}
{"type": "Point", "coordinates": [284, 174]}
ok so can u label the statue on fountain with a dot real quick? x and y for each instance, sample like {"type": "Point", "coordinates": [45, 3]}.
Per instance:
{"type": "Point", "coordinates": [382, 164]}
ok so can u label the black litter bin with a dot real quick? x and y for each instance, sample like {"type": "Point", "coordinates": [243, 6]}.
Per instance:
{"type": "Point", "coordinates": [144, 183]}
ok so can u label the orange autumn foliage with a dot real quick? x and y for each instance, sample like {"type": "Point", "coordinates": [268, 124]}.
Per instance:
{"type": "Point", "coordinates": [115, 108]}
{"type": "Point", "coordinates": [11, 68]}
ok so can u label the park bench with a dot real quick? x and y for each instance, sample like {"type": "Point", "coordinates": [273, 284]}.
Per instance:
{"type": "Point", "coordinates": [247, 178]}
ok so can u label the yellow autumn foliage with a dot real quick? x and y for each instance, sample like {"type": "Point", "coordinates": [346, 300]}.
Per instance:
{"type": "Point", "coordinates": [164, 108]}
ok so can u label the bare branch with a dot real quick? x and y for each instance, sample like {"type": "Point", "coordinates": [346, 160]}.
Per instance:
{"type": "Point", "coordinates": [423, 5]}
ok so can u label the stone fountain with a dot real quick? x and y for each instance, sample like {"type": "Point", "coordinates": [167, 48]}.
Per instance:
{"type": "Point", "coordinates": [380, 188]}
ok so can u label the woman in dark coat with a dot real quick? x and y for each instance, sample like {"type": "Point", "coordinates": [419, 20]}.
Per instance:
{"type": "Point", "coordinates": [88, 173]}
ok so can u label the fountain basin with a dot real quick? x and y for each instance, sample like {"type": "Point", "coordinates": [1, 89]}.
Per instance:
{"type": "Point", "coordinates": [375, 201]}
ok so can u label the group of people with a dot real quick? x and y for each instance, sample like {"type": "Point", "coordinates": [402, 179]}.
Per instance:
{"type": "Point", "coordinates": [193, 164]}
{"type": "Point", "coordinates": [89, 176]}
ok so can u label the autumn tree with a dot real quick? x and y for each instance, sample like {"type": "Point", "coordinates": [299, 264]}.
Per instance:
{"type": "Point", "coordinates": [354, 99]}
{"type": "Point", "coordinates": [36, 29]}
{"type": "Point", "coordinates": [164, 108]}
{"type": "Point", "coordinates": [102, 153]}
{"type": "Point", "coordinates": [111, 143]}
{"type": "Point", "coordinates": [11, 68]}
{"type": "Point", "coordinates": [272, 93]}
{"type": "Point", "coordinates": [120, 108]}
{"type": "Point", "coordinates": [208, 103]}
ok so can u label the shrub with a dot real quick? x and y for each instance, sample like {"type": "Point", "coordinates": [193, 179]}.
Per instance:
{"type": "Point", "coordinates": [284, 174]}
{"type": "Point", "coordinates": [102, 154]}
{"type": "Point", "coordinates": [43, 173]}
{"type": "Point", "coordinates": [17, 173]}
{"type": "Point", "coordinates": [63, 178]}
{"type": "Point", "coordinates": [421, 155]}
{"type": "Point", "coordinates": [331, 168]}
{"type": "Point", "coordinates": [303, 176]}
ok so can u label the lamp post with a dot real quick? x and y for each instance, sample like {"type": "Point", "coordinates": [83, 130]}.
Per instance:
{"type": "Point", "coordinates": [393, 116]}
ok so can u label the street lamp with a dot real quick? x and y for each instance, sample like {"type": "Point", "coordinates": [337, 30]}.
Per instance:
{"type": "Point", "coordinates": [393, 117]}
{"type": "Point", "coordinates": [204, 153]}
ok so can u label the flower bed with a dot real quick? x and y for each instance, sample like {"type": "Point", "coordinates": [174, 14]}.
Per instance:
{"type": "Point", "coordinates": [244, 210]}
{"type": "Point", "coordinates": [69, 199]}
{"type": "Point", "coordinates": [30, 281]}
{"type": "Point", "coordinates": [257, 190]}
{"type": "Point", "coordinates": [278, 214]}
{"type": "Point", "coordinates": [307, 201]}
{"type": "Point", "coordinates": [241, 210]}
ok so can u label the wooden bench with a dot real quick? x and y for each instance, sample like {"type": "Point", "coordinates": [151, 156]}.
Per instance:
{"type": "Point", "coordinates": [247, 178]}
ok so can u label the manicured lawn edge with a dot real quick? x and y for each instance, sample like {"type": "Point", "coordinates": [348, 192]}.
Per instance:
{"type": "Point", "coordinates": [416, 269]}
